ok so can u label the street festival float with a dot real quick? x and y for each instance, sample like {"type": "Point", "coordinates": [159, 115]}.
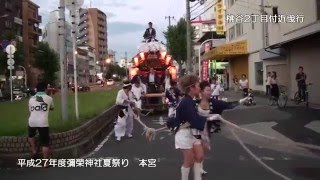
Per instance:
{"type": "Point", "coordinates": [153, 55]}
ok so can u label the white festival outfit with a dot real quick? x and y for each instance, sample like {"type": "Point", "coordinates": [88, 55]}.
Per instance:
{"type": "Point", "coordinates": [137, 93]}
{"type": "Point", "coordinates": [124, 125]}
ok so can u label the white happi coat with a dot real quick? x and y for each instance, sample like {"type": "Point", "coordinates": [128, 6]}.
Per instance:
{"type": "Point", "coordinates": [124, 124]}
{"type": "Point", "coordinates": [137, 93]}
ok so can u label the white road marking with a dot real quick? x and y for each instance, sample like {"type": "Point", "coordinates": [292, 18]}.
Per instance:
{"type": "Point", "coordinates": [314, 126]}
{"type": "Point", "coordinates": [257, 159]}
{"type": "Point", "coordinates": [267, 158]}
{"type": "Point", "coordinates": [99, 146]}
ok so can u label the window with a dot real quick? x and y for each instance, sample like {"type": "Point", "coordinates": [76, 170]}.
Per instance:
{"type": "Point", "coordinates": [275, 13]}
{"type": "Point", "coordinates": [231, 33]}
{"type": "Point", "coordinates": [318, 9]}
{"type": "Point", "coordinates": [239, 29]}
{"type": "Point", "coordinates": [259, 72]}
{"type": "Point", "coordinates": [232, 2]}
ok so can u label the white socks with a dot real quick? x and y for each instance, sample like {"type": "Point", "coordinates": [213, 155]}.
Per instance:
{"type": "Point", "coordinates": [185, 173]}
{"type": "Point", "coordinates": [241, 101]}
{"type": "Point", "coordinates": [197, 171]}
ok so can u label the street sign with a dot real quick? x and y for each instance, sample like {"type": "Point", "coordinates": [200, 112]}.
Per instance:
{"type": "Point", "coordinates": [10, 49]}
{"type": "Point", "coordinates": [10, 62]}
{"type": "Point", "coordinates": [10, 67]}
{"type": "Point", "coordinates": [10, 56]}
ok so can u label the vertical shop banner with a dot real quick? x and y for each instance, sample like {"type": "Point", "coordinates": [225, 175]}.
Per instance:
{"type": "Point", "coordinates": [220, 17]}
{"type": "Point", "coordinates": [205, 69]}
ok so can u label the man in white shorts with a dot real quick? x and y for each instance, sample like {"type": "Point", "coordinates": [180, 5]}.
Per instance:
{"type": "Point", "coordinates": [137, 92]}
{"type": "Point", "coordinates": [39, 106]}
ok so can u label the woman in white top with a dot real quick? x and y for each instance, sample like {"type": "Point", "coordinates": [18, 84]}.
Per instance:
{"type": "Point", "coordinates": [215, 88]}
{"type": "Point", "coordinates": [274, 85]}
{"type": "Point", "coordinates": [268, 83]}
{"type": "Point", "coordinates": [244, 84]}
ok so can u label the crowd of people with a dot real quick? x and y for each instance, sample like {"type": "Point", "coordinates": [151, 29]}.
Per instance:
{"type": "Point", "coordinates": [194, 107]}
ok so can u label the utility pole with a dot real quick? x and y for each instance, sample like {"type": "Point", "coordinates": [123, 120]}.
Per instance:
{"type": "Point", "coordinates": [169, 18]}
{"type": "Point", "coordinates": [62, 52]}
{"type": "Point", "coordinates": [126, 64]}
{"type": "Point", "coordinates": [263, 25]}
{"type": "Point", "coordinates": [189, 50]}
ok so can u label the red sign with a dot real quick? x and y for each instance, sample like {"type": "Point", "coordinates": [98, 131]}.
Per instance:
{"type": "Point", "coordinates": [205, 69]}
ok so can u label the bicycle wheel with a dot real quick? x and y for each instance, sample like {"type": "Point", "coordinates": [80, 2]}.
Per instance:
{"type": "Point", "coordinates": [282, 101]}
{"type": "Point", "coordinates": [297, 99]}
{"type": "Point", "coordinates": [271, 101]}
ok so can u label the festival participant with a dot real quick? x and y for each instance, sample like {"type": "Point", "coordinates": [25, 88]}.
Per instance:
{"type": "Point", "coordinates": [173, 96]}
{"type": "Point", "coordinates": [124, 125]}
{"type": "Point", "coordinates": [209, 105]}
{"type": "Point", "coordinates": [138, 92]}
{"type": "Point", "coordinates": [190, 126]}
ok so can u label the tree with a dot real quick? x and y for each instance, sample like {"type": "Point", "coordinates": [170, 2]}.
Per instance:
{"type": "Point", "coordinates": [115, 69]}
{"type": "Point", "coordinates": [177, 41]}
{"type": "Point", "coordinates": [47, 60]}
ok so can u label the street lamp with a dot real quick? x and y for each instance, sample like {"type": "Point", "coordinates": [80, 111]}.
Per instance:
{"type": "Point", "coordinates": [108, 61]}
{"type": "Point", "coordinates": [200, 55]}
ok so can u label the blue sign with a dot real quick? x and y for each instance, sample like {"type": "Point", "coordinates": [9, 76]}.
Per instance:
{"type": "Point", "coordinates": [5, 43]}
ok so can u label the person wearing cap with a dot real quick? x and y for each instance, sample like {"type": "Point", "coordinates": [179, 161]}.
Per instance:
{"type": "Point", "coordinates": [150, 33]}
{"type": "Point", "coordinates": [125, 102]}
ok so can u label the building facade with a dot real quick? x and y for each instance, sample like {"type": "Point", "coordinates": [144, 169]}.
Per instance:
{"type": "Point", "coordinates": [93, 32]}
{"type": "Point", "coordinates": [31, 32]}
{"type": "Point", "coordinates": [278, 36]}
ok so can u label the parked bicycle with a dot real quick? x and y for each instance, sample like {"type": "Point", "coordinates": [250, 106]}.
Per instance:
{"type": "Point", "coordinates": [282, 100]}
{"type": "Point", "coordinates": [298, 99]}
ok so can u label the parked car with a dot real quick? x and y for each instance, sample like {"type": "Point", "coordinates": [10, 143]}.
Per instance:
{"type": "Point", "coordinates": [110, 82]}
{"type": "Point", "coordinates": [82, 87]}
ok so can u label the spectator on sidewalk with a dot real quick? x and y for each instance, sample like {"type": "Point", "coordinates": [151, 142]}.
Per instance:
{"type": "Point", "coordinates": [235, 83]}
{"type": "Point", "coordinates": [244, 84]}
{"type": "Point", "coordinates": [268, 83]}
{"type": "Point", "coordinates": [274, 85]}
{"type": "Point", "coordinates": [301, 78]}
{"type": "Point", "coordinates": [39, 107]}
{"type": "Point", "coordinates": [215, 88]}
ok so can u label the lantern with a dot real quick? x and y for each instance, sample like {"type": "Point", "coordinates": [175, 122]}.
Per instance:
{"type": "Point", "coordinates": [142, 56]}
{"type": "Point", "coordinates": [173, 72]}
{"type": "Point", "coordinates": [163, 54]}
{"type": "Point", "coordinates": [136, 61]}
{"type": "Point", "coordinates": [133, 72]}
{"type": "Point", "coordinates": [168, 59]}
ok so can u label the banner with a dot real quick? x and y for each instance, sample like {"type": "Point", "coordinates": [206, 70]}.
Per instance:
{"type": "Point", "coordinates": [220, 17]}
{"type": "Point", "coordinates": [204, 72]}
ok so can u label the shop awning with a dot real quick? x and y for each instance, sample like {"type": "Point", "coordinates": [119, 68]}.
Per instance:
{"type": "Point", "coordinates": [227, 51]}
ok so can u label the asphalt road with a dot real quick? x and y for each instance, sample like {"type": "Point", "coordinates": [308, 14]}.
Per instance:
{"type": "Point", "coordinates": [227, 160]}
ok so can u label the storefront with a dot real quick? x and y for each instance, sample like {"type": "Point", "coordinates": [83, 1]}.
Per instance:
{"type": "Point", "coordinates": [235, 58]}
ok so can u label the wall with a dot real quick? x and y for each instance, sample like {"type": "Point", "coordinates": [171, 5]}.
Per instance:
{"type": "Point", "coordinates": [306, 54]}
{"type": "Point", "coordinates": [73, 143]}
{"type": "Point", "coordinates": [280, 32]}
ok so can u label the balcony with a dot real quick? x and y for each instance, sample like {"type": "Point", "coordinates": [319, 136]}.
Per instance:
{"type": "Point", "coordinates": [18, 20]}
{"type": "Point", "coordinates": [83, 18]}
{"type": "Point", "coordinates": [83, 33]}
{"type": "Point", "coordinates": [83, 40]}
{"type": "Point", "coordinates": [35, 31]}
{"type": "Point", "coordinates": [83, 25]}
{"type": "Point", "coordinates": [37, 18]}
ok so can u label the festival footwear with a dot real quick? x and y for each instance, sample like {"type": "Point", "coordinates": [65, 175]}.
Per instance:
{"type": "Point", "coordinates": [130, 136]}
{"type": "Point", "coordinates": [185, 173]}
{"type": "Point", "coordinates": [118, 139]}
{"type": "Point", "coordinates": [203, 172]}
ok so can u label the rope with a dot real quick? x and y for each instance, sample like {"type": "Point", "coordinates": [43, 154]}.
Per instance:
{"type": "Point", "coordinates": [258, 159]}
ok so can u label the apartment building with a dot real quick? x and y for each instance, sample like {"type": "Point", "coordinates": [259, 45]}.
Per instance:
{"type": "Point", "coordinates": [31, 32]}
{"type": "Point", "coordinates": [93, 32]}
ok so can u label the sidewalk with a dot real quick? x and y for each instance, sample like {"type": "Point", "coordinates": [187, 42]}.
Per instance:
{"type": "Point", "coordinates": [296, 122]}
